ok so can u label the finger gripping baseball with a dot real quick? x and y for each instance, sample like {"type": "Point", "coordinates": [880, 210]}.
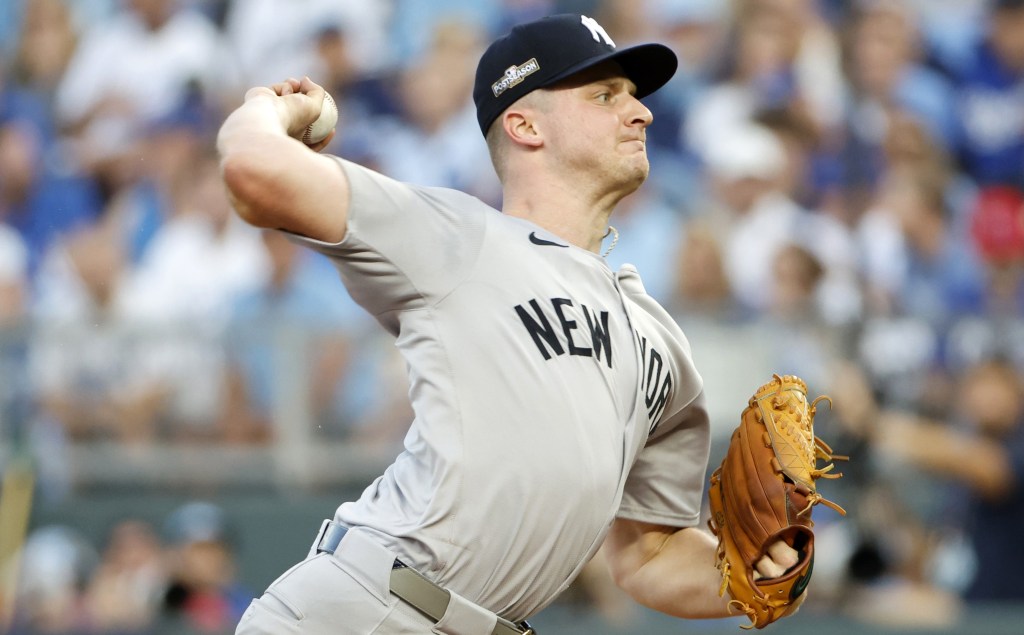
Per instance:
{"type": "Point", "coordinates": [763, 492]}
{"type": "Point", "coordinates": [321, 127]}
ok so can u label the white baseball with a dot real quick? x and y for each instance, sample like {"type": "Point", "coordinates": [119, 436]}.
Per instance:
{"type": "Point", "coordinates": [328, 119]}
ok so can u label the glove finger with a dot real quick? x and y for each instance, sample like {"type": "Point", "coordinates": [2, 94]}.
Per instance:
{"type": "Point", "coordinates": [783, 555]}
{"type": "Point", "coordinates": [768, 568]}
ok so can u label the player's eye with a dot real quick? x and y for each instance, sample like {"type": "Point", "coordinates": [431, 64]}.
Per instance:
{"type": "Point", "coordinates": [604, 96]}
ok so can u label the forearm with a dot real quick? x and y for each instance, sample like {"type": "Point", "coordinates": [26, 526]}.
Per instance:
{"type": "Point", "coordinates": [978, 462]}
{"type": "Point", "coordinates": [248, 140]}
{"type": "Point", "coordinates": [671, 571]}
{"type": "Point", "coordinates": [273, 179]}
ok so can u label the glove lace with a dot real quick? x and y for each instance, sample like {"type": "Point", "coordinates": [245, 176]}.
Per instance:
{"type": "Point", "coordinates": [747, 610]}
{"type": "Point", "coordinates": [814, 498]}
{"type": "Point", "coordinates": [823, 452]}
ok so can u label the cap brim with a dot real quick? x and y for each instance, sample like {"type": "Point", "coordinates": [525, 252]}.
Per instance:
{"type": "Point", "coordinates": [649, 66]}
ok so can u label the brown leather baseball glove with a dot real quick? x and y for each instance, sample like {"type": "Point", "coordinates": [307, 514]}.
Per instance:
{"type": "Point", "coordinates": [763, 492]}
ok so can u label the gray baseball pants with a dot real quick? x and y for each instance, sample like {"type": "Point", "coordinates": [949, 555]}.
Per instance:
{"type": "Point", "coordinates": [347, 593]}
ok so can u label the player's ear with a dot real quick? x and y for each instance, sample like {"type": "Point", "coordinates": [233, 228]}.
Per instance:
{"type": "Point", "coordinates": [520, 125]}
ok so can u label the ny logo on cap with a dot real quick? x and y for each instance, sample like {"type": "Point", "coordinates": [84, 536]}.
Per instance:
{"type": "Point", "coordinates": [596, 30]}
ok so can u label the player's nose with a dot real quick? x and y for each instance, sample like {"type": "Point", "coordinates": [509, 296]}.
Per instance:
{"type": "Point", "coordinates": [639, 114]}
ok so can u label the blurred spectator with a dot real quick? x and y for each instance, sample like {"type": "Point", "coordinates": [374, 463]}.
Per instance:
{"type": "Point", "coordinates": [899, 533]}
{"type": "Point", "coordinates": [909, 154]}
{"type": "Point", "coordinates": [360, 96]}
{"type": "Point", "coordinates": [803, 343]}
{"type": "Point", "coordinates": [377, 392]}
{"type": "Point", "coordinates": [950, 28]}
{"type": "Point", "coordinates": [883, 55]}
{"type": "Point", "coordinates": [757, 217]}
{"type": "Point", "coordinates": [997, 228]}
{"type": "Point", "coordinates": [133, 71]}
{"type": "Point", "coordinates": [124, 592]}
{"type": "Point", "coordinates": [158, 187]}
{"type": "Point", "coordinates": [908, 146]}
{"type": "Point", "coordinates": [989, 101]}
{"type": "Point", "coordinates": [796, 273]}
{"type": "Point", "coordinates": [413, 23]}
{"type": "Point", "coordinates": [780, 56]}
{"type": "Point", "coordinates": [47, 41]}
{"type": "Point", "coordinates": [980, 448]}
{"type": "Point", "coordinates": [56, 564]}
{"type": "Point", "coordinates": [897, 110]}
{"type": "Point", "coordinates": [302, 307]}
{"type": "Point", "coordinates": [888, 582]}
{"type": "Point", "coordinates": [202, 593]}
{"type": "Point", "coordinates": [915, 257]}
{"type": "Point", "coordinates": [816, 62]}
{"type": "Point", "coordinates": [701, 284]}
{"type": "Point", "coordinates": [997, 224]}
{"type": "Point", "coordinates": [973, 339]}
{"type": "Point", "coordinates": [197, 265]}
{"type": "Point", "coordinates": [649, 235]}
{"type": "Point", "coordinates": [436, 139]}
{"type": "Point", "coordinates": [696, 31]}
{"type": "Point", "coordinates": [622, 17]}
{"type": "Point", "coordinates": [811, 173]}
{"type": "Point", "coordinates": [41, 203]}
{"type": "Point", "coordinates": [276, 39]}
{"type": "Point", "coordinates": [201, 260]}
{"type": "Point", "coordinates": [89, 366]}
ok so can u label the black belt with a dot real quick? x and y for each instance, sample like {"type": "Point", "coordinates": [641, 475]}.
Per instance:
{"type": "Point", "coordinates": [415, 589]}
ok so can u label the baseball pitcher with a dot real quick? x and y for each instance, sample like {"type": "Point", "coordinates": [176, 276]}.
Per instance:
{"type": "Point", "coordinates": [557, 407]}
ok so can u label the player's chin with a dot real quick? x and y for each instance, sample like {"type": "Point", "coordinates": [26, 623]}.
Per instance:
{"type": "Point", "coordinates": [630, 181]}
{"type": "Point", "coordinates": [636, 169]}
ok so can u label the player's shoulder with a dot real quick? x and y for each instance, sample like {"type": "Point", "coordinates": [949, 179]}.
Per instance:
{"type": "Point", "coordinates": [455, 198]}
{"type": "Point", "coordinates": [444, 197]}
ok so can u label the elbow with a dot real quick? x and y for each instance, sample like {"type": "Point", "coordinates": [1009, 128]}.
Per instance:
{"type": "Point", "coordinates": [623, 579]}
{"type": "Point", "coordinates": [242, 181]}
{"type": "Point", "coordinates": [996, 485]}
{"type": "Point", "coordinates": [993, 476]}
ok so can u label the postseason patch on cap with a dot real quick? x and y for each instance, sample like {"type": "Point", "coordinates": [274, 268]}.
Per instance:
{"type": "Point", "coordinates": [554, 48]}
{"type": "Point", "coordinates": [515, 75]}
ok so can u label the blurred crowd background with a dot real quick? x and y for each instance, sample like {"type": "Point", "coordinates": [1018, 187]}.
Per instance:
{"type": "Point", "coordinates": [836, 192]}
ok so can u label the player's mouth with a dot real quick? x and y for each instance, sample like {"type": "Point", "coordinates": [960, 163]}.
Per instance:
{"type": "Point", "coordinates": [635, 143]}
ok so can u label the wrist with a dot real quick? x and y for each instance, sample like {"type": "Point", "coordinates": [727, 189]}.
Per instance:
{"type": "Point", "coordinates": [259, 115]}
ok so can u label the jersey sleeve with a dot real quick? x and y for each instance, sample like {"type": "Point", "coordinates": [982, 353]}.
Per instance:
{"type": "Point", "coordinates": [666, 483]}
{"type": "Point", "coordinates": [405, 246]}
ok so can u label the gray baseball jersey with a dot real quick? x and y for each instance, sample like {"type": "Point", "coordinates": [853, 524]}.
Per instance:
{"type": "Point", "coordinates": [550, 393]}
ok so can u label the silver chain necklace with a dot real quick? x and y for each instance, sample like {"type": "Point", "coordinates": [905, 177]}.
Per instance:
{"type": "Point", "coordinates": [615, 240]}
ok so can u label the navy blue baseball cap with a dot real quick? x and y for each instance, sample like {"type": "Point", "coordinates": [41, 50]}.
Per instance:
{"type": "Point", "coordinates": [543, 52]}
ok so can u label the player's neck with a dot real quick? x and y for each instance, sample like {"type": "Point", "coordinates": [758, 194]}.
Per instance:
{"type": "Point", "coordinates": [581, 218]}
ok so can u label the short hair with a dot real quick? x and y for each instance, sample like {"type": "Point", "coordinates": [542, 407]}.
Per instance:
{"type": "Point", "coordinates": [497, 143]}
{"type": "Point", "coordinates": [497, 147]}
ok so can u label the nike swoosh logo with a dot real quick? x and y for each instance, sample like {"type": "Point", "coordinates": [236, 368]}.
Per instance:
{"type": "Point", "coordinates": [801, 584]}
{"type": "Point", "coordinates": [540, 241]}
